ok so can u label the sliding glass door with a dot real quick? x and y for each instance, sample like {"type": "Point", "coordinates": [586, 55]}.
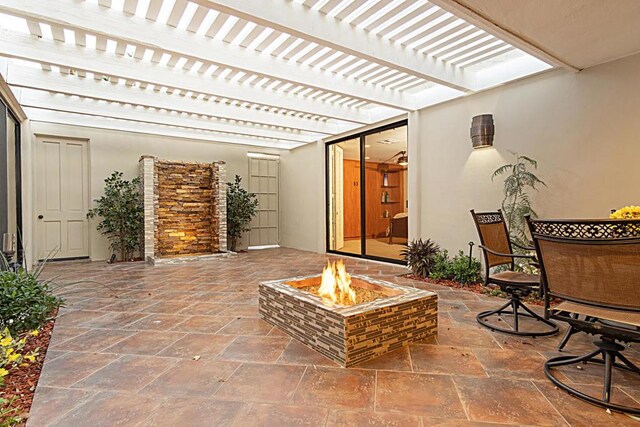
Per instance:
{"type": "Point", "coordinates": [367, 194]}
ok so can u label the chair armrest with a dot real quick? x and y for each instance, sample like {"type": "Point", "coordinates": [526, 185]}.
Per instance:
{"type": "Point", "coordinates": [484, 248]}
{"type": "Point", "coordinates": [526, 248]}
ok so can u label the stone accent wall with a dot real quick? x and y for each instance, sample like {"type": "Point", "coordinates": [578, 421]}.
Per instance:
{"type": "Point", "coordinates": [185, 208]}
{"type": "Point", "coordinates": [354, 334]}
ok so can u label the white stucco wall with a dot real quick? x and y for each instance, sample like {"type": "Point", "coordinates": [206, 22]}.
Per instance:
{"type": "Point", "coordinates": [111, 150]}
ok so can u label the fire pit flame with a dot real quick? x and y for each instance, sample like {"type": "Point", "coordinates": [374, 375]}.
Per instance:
{"type": "Point", "coordinates": [336, 284]}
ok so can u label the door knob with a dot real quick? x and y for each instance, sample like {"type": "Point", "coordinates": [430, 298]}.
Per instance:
{"type": "Point", "coordinates": [40, 216]}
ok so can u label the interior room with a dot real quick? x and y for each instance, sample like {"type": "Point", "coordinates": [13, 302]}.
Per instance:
{"type": "Point", "coordinates": [319, 212]}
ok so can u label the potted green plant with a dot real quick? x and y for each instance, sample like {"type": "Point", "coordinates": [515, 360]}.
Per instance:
{"type": "Point", "coordinates": [122, 215]}
{"type": "Point", "coordinates": [242, 206]}
{"type": "Point", "coordinates": [516, 202]}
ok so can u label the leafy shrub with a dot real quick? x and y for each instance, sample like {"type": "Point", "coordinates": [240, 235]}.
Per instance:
{"type": "Point", "coordinates": [241, 207]}
{"type": "Point", "coordinates": [25, 301]}
{"type": "Point", "coordinates": [122, 215]}
{"type": "Point", "coordinates": [461, 268]}
{"type": "Point", "coordinates": [420, 256]}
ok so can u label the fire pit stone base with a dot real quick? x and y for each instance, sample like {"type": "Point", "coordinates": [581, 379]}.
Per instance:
{"type": "Point", "coordinates": [353, 334]}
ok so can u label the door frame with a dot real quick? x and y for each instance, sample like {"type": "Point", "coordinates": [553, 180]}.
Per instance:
{"type": "Point", "coordinates": [39, 137]}
{"type": "Point", "coordinates": [363, 185]}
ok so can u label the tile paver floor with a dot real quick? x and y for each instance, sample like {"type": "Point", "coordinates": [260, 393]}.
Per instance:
{"type": "Point", "coordinates": [122, 353]}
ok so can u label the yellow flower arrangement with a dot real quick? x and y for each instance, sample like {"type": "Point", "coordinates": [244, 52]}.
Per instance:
{"type": "Point", "coordinates": [11, 353]}
{"type": "Point", "coordinates": [628, 212]}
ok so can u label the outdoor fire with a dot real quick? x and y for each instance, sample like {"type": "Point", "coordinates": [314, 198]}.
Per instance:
{"type": "Point", "coordinates": [336, 287]}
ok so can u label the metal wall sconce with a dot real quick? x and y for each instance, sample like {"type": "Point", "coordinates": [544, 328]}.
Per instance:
{"type": "Point", "coordinates": [482, 131]}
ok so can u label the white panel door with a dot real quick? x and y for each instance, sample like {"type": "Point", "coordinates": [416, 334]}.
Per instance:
{"type": "Point", "coordinates": [62, 198]}
{"type": "Point", "coordinates": [264, 182]}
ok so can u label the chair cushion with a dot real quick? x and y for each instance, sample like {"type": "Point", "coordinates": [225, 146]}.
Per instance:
{"type": "Point", "coordinates": [619, 316]}
{"type": "Point", "coordinates": [515, 277]}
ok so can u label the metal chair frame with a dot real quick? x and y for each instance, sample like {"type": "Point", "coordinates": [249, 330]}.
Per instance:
{"type": "Point", "coordinates": [516, 291]}
{"type": "Point", "coordinates": [608, 349]}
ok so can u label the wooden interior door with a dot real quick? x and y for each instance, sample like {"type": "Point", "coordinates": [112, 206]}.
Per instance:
{"type": "Point", "coordinates": [62, 198]}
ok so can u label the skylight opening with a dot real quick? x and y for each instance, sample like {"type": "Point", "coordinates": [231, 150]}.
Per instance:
{"type": "Point", "coordinates": [141, 8]}
{"type": "Point", "coordinates": [130, 50]}
{"type": "Point", "coordinates": [148, 54]}
{"type": "Point", "coordinates": [69, 36]}
{"type": "Point", "coordinates": [165, 11]}
{"type": "Point", "coordinates": [47, 34]}
{"type": "Point", "coordinates": [14, 23]}
{"type": "Point", "coordinates": [112, 45]}
{"type": "Point", "coordinates": [187, 16]}
{"type": "Point", "coordinates": [491, 54]}
{"type": "Point", "coordinates": [206, 22]}
{"type": "Point", "coordinates": [117, 5]}
{"type": "Point", "coordinates": [165, 59]}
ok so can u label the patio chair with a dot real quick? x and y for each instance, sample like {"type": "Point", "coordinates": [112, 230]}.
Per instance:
{"type": "Point", "coordinates": [497, 250]}
{"type": "Point", "coordinates": [594, 267]}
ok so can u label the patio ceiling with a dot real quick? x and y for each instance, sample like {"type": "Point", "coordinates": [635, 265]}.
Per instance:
{"type": "Point", "coordinates": [274, 73]}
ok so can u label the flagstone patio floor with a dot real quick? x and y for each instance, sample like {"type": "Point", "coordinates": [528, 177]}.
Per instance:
{"type": "Point", "coordinates": [124, 350]}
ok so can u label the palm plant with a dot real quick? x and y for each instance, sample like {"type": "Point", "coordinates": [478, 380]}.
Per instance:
{"type": "Point", "coordinates": [516, 203]}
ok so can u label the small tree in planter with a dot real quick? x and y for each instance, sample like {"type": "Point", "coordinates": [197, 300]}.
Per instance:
{"type": "Point", "coordinates": [241, 207]}
{"type": "Point", "coordinates": [122, 214]}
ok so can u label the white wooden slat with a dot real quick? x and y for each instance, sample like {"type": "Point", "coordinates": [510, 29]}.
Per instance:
{"type": "Point", "coordinates": [466, 47]}
{"type": "Point", "coordinates": [105, 3]}
{"type": "Point", "coordinates": [311, 53]}
{"type": "Point", "coordinates": [58, 33]}
{"type": "Point", "coordinates": [34, 28]}
{"type": "Point", "coordinates": [154, 9]}
{"type": "Point", "coordinates": [267, 41]}
{"type": "Point", "coordinates": [197, 19]}
{"type": "Point", "coordinates": [354, 5]}
{"type": "Point", "coordinates": [176, 13]}
{"type": "Point", "coordinates": [139, 52]}
{"type": "Point", "coordinates": [487, 56]}
{"type": "Point", "coordinates": [479, 51]}
{"type": "Point", "coordinates": [434, 14]}
{"type": "Point", "coordinates": [389, 17]}
{"type": "Point", "coordinates": [372, 8]}
{"type": "Point", "coordinates": [329, 6]}
{"type": "Point", "coordinates": [217, 24]}
{"type": "Point", "coordinates": [460, 30]}
{"type": "Point", "coordinates": [156, 57]}
{"type": "Point", "coordinates": [235, 30]}
{"type": "Point", "coordinates": [251, 37]}
{"type": "Point", "coordinates": [130, 6]}
{"type": "Point", "coordinates": [296, 50]}
{"type": "Point", "coordinates": [101, 43]}
{"type": "Point", "coordinates": [399, 24]}
{"type": "Point", "coordinates": [441, 23]}
{"type": "Point", "coordinates": [459, 44]}
{"type": "Point", "coordinates": [121, 48]}
{"type": "Point", "coordinates": [81, 38]}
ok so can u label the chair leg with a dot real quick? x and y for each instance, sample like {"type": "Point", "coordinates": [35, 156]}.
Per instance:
{"type": "Point", "coordinates": [566, 337]}
{"type": "Point", "coordinates": [517, 309]}
{"type": "Point", "coordinates": [609, 352]}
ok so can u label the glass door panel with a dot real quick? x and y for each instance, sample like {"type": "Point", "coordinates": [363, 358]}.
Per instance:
{"type": "Point", "coordinates": [345, 229]}
{"type": "Point", "coordinates": [385, 202]}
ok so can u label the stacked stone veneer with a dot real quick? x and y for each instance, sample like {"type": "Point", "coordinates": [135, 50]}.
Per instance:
{"type": "Point", "coordinates": [353, 334]}
{"type": "Point", "coordinates": [185, 208]}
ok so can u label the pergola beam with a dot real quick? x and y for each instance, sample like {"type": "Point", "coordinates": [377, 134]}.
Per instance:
{"type": "Point", "coordinates": [24, 77]}
{"type": "Point", "coordinates": [90, 18]}
{"type": "Point", "coordinates": [295, 19]}
{"type": "Point", "coordinates": [61, 118]}
{"type": "Point", "coordinates": [100, 108]}
{"type": "Point", "coordinates": [63, 55]}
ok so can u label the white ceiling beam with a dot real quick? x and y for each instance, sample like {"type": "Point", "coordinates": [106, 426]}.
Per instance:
{"type": "Point", "coordinates": [115, 25]}
{"type": "Point", "coordinates": [461, 10]}
{"type": "Point", "coordinates": [29, 48]}
{"type": "Point", "coordinates": [294, 18]}
{"type": "Point", "coordinates": [24, 77]}
{"type": "Point", "coordinates": [99, 108]}
{"type": "Point", "coordinates": [59, 118]}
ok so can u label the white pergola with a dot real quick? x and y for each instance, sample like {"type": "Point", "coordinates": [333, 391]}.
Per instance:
{"type": "Point", "coordinates": [273, 73]}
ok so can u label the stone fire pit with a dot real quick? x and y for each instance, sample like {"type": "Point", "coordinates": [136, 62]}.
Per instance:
{"type": "Point", "coordinates": [352, 334]}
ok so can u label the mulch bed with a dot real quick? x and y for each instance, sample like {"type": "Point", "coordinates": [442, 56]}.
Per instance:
{"type": "Point", "coordinates": [478, 288]}
{"type": "Point", "coordinates": [21, 381]}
